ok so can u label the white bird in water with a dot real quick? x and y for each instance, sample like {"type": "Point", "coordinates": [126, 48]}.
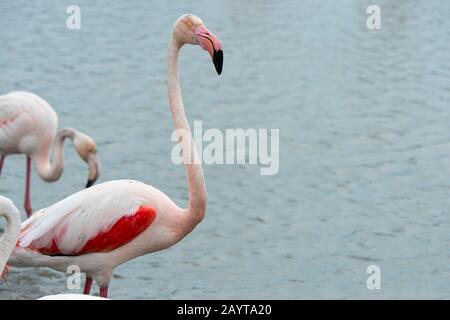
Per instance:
{"type": "Point", "coordinates": [28, 125]}
{"type": "Point", "coordinates": [101, 227]}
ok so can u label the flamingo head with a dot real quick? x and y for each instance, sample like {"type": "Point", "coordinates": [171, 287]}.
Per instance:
{"type": "Point", "coordinates": [87, 150]}
{"type": "Point", "coordinates": [190, 29]}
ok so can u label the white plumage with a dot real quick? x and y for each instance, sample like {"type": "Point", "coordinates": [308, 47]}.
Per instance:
{"type": "Point", "coordinates": [81, 216]}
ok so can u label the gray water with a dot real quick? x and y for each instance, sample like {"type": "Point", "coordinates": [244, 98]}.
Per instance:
{"type": "Point", "coordinates": [364, 173]}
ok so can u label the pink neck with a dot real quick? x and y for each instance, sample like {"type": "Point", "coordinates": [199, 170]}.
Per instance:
{"type": "Point", "coordinates": [51, 171]}
{"type": "Point", "coordinates": [12, 230]}
{"type": "Point", "coordinates": [194, 172]}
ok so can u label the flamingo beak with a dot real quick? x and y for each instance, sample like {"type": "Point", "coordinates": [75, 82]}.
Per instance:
{"type": "Point", "coordinates": [209, 42]}
{"type": "Point", "coordinates": [218, 61]}
{"type": "Point", "coordinates": [90, 182]}
{"type": "Point", "coordinates": [94, 169]}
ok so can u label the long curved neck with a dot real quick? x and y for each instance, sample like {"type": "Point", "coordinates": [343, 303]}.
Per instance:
{"type": "Point", "coordinates": [194, 172]}
{"type": "Point", "coordinates": [9, 238]}
{"type": "Point", "coordinates": [51, 171]}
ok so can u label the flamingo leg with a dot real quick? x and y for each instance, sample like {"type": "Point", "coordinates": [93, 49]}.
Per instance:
{"type": "Point", "coordinates": [87, 285]}
{"type": "Point", "coordinates": [104, 292]}
{"type": "Point", "coordinates": [27, 189]}
{"type": "Point", "coordinates": [2, 158]}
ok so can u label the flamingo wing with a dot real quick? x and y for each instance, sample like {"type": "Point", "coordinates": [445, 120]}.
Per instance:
{"type": "Point", "coordinates": [99, 219]}
{"type": "Point", "coordinates": [14, 120]}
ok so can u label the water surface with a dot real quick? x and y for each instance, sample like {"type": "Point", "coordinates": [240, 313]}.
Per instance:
{"type": "Point", "coordinates": [364, 140]}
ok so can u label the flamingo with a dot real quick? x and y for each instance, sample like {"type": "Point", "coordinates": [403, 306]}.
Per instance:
{"type": "Point", "coordinates": [8, 242]}
{"type": "Point", "coordinates": [12, 231]}
{"type": "Point", "coordinates": [28, 125]}
{"type": "Point", "coordinates": [99, 228]}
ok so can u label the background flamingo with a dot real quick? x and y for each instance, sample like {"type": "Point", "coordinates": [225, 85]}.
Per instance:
{"type": "Point", "coordinates": [8, 243]}
{"type": "Point", "coordinates": [28, 125]}
{"type": "Point", "coordinates": [108, 224]}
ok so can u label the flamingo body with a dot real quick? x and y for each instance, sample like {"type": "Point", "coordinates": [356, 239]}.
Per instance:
{"type": "Point", "coordinates": [85, 229]}
{"type": "Point", "coordinates": [28, 124]}
{"type": "Point", "coordinates": [125, 229]}
{"type": "Point", "coordinates": [92, 219]}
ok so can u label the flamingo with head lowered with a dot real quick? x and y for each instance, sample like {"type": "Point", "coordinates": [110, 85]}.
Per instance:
{"type": "Point", "coordinates": [99, 228]}
{"type": "Point", "coordinates": [28, 125]}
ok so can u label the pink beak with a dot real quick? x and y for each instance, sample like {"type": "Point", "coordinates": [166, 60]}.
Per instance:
{"type": "Point", "coordinates": [209, 42]}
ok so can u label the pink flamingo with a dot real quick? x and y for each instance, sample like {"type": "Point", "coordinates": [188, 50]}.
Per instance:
{"type": "Point", "coordinates": [99, 228]}
{"type": "Point", "coordinates": [28, 125]}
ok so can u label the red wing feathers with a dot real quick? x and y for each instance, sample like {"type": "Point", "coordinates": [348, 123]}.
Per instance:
{"type": "Point", "coordinates": [122, 231]}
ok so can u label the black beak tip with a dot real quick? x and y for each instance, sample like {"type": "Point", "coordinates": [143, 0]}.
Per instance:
{"type": "Point", "coordinates": [218, 61]}
{"type": "Point", "coordinates": [90, 183]}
